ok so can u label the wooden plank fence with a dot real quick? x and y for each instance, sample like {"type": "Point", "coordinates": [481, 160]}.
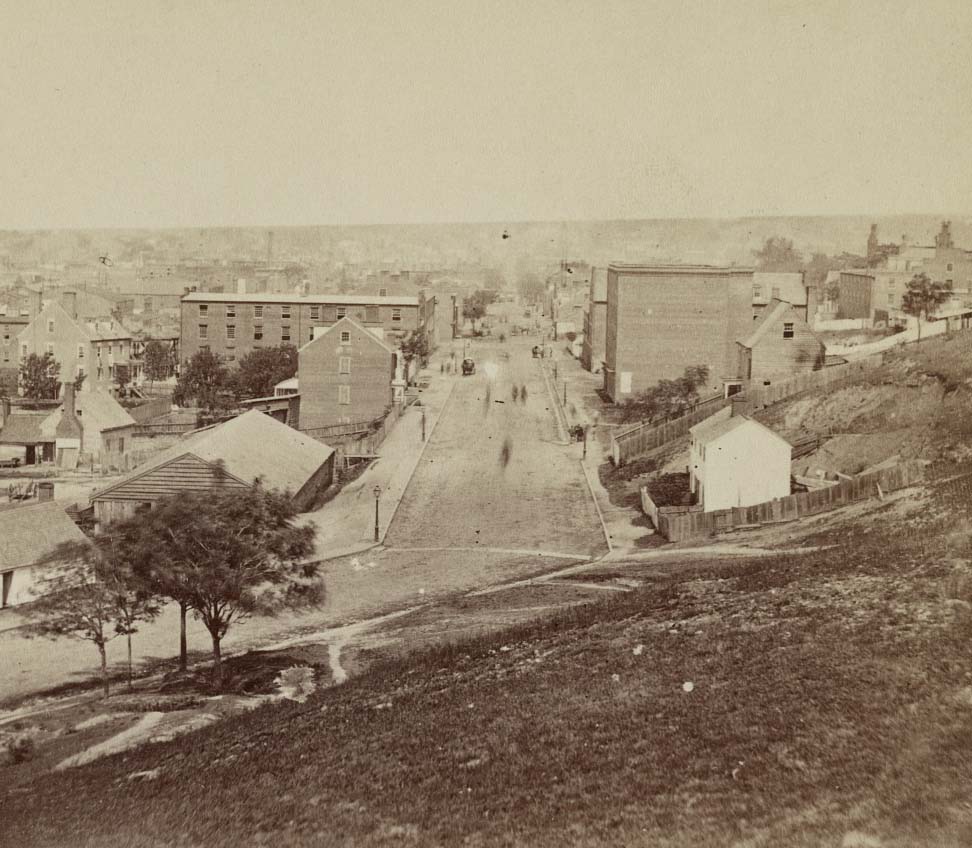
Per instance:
{"type": "Point", "coordinates": [638, 440]}
{"type": "Point", "coordinates": [680, 523]}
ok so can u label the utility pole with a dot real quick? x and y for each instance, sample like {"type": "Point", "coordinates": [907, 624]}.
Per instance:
{"type": "Point", "coordinates": [423, 423]}
{"type": "Point", "coordinates": [565, 393]}
{"type": "Point", "coordinates": [377, 493]}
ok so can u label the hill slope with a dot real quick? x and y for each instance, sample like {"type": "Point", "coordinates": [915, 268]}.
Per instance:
{"type": "Point", "coordinates": [831, 704]}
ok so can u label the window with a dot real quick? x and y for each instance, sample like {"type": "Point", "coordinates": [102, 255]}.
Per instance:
{"type": "Point", "coordinates": [757, 292]}
{"type": "Point", "coordinates": [371, 314]}
{"type": "Point", "coordinates": [948, 267]}
{"type": "Point", "coordinates": [204, 331]}
{"type": "Point", "coordinates": [382, 292]}
{"type": "Point", "coordinates": [50, 348]}
{"type": "Point", "coordinates": [6, 354]}
{"type": "Point", "coordinates": [345, 336]}
{"type": "Point", "coordinates": [788, 330]}
{"type": "Point", "coordinates": [342, 311]}
{"type": "Point", "coordinates": [397, 314]}
{"type": "Point", "coordinates": [258, 331]}
{"type": "Point", "coordinates": [285, 333]}
{"type": "Point", "coordinates": [344, 394]}
{"type": "Point", "coordinates": [80, 351]}
{"type": "Point", "coordinates": [284, 311]}
{"type": "Point", "coordinates": [344, 365]}
{"type": "Point", "coordinates": [315, 313]}
{"type": "Point", "coordinates": [203, 310]}
{"type": "Point", "coordinates": [230, 310]}
{"type": "Point", "coordinates": [121, 444]}
{"type": "Point", "coordinates": [50, 326]}
{"type": "Point", "coordinates": [258, 311]}
{"type": "Point", "coordinates": [23, 351]}
{"type": "Point", "coordinates": [310, 334]}
{"type": "Point", "coordinates": [231, 331]}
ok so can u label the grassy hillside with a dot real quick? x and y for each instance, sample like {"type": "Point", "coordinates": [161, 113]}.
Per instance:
{"type": "Point", "coordinates": [831, 704]}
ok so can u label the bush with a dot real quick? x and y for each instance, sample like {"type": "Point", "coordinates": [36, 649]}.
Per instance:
{"type": "Point", "coordinates": [20, 749]}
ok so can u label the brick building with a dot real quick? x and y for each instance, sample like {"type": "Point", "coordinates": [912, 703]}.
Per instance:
{"type": "Point", "coordinates": [779, 285]}
{"type": "Point", "coordinates": [232, 325]}
{"type": "Point", "coordinates": [661, 319]}
{"type": "Point", "coordinates": [345, 375]}
{"type": "Point", "coordinates": [595, 319]}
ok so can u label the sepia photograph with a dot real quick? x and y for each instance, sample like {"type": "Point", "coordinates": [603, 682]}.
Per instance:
{"type": "Point", "coordinates": [486, 424]}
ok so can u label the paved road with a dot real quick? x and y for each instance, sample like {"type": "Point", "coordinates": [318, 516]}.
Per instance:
{"type": "Point", "coordinates": [494, 474]}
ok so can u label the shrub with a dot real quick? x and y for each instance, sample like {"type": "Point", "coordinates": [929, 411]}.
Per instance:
{"type": "Point", "coordinates": [20, 749]}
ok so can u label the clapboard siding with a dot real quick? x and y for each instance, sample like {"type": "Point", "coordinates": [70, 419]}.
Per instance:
{"type": "Point", "coordinates": [186, 473]}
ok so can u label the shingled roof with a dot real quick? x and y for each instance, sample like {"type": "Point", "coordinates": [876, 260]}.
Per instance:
{"type": "Point", "coordinates": [249, 446]}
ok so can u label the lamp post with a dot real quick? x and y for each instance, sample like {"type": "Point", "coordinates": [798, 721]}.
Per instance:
{"type": "Point", "coordinates": [377, 492]}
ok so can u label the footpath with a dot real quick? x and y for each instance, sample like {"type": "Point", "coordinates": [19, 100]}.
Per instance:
{"type": "Point", "coordinates": [624, 527]}
{"type": "Point", "coordinates": [346, 524]}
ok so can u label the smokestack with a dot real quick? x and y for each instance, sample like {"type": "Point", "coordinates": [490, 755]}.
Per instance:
{"type": "Point", "coordinates": [69, 300]}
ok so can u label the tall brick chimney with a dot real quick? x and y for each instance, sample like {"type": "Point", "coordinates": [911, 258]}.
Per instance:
{"type": "Point", "coordinates": [69, 300]}
{"type": "Point", "coordinates": [740, 406]}
{"type": "Point", "coordinates": [69, 428]}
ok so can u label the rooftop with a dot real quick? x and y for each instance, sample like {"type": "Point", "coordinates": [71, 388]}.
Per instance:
{"type": "Point", "coordinates": [29, 534]}
{"type": "Point", "coordinates": [295, 299]}
{"type": "Point", "coordinates": [716, 426]}
{"type": "Point", "coordinates": [626, 268]}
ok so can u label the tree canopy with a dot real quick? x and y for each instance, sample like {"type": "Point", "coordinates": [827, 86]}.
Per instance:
{"type": "Point", "coordinates": [203, 381]}
{"type": "Point", "coordinates": [667, 398]}
{"type": "Point", "coordinates": [228, 554]}
{"type": "Point", "coordinates": [923, 297]}
{"type": "Point", "coordinates": [40, 377]}
{"type": "Point", "coordinates": [260, 370]}
{"type": "Point", "coordinates": [158, 360]}
{"type": "Point", "coordinates": [778, 254]}
{"type": "Point", "coordinates": [474, 307]}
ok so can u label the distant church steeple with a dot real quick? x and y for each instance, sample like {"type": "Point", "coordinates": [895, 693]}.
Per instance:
{"type": "Point", "coordinates": [944, 238]}
{"type": "Point", "coordinates": [872, 242]}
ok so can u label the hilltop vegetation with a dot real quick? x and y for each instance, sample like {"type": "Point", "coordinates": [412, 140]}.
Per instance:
{"type": "Point", "coordinates": [830, 703]}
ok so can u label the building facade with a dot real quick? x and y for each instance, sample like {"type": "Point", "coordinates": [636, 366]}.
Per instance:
{"type": "Point", "coordinates": [781, 345]}
{"type": "Point", "coordinates": [346, 374]}
{"type": "Point", "coordinates": [661, 319]}
{"type": "Point", "coordinates": [233, 325]}
{"type": "Point", "coordinates": [595, 321]}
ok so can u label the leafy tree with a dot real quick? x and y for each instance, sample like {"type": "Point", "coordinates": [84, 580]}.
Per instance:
{"type": "Point", "coordinates": [260, 370]}
{"type": "Point", "coordinates": [123, 376]}
{"type": "Point", "coordinates": [40, 377]}
{"type": "Point", "coordinates": [667, 398]}
{"type": "Point", "coordinates": [92, 594]}
{"type": "Point", "coordinates": [923, 297]}
{"type": "Point", "coordinates": [158, 360]}
{"type": "Point", "coordinates": [231, 553]}
{"type": "Point", "coordinates": [474, 307]}
{"type": "Point", "coordinates": [203, 381]}
{"type": "Point", "coordinates": [778, 254]}
{"type": "Point", "coordinates": [415, 345]}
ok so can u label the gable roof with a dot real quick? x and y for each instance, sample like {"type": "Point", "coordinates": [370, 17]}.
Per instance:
{"type": "Point", "coordinates": [30, 533]}
{"type": "Point", "coordinates": [342, 322]}
{"type": "Point", "coordinates": [778, 308]}
{"type": "Point", "coordinates": [99, 410]}
{"type": "Point", "coordinates": [716, 426]}
{"type": "Point", "coordinates": [251, 445]}
{"type": "Point", "coordinates": [25, 428]}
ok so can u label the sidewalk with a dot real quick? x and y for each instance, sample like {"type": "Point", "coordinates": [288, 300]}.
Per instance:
{"type": "Point", "coordinates": [346, 524]}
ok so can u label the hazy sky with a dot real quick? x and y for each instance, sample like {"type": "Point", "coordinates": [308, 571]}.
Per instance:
{"type": "Point", "coordinates": [150, 114]}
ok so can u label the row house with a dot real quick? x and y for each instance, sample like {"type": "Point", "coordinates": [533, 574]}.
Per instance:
{"type": "Point", "coordinates": [233, 325]}
{"type": "Point", "coordinates": [595, 320]}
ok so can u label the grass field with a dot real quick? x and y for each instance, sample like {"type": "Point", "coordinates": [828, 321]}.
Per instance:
{"type": "Point", "coordinates": [831, 704]}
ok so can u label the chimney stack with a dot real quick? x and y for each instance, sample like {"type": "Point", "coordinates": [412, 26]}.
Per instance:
{"type": "Point", "coordinates": [740, 406]}
{"type": "Point", "coordinates": [69, 300]}
{"type": "Point", "coordinates": [36, 304]}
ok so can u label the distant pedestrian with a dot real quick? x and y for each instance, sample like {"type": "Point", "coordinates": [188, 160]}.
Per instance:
{"type": "Point", "coordinates": [442, 368]}
{"type": "Point", "coordinates": [516, 393]}
{"type": "Point", "coordinates": [523, 393]}
{"type": "Point", "coordinates": [506, 451]}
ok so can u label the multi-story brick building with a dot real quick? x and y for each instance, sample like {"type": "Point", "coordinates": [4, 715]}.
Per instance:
{"type": "Point", "coordinates": [345, 374]}
{"type": "Point", "coordinates": [662, 319]}
{"type": "Point", "coordinates": [779, 285]}
{"type": "Point", "coordinates": [232, 325]}
{"type": "Point", "coordinates": [595, 320]}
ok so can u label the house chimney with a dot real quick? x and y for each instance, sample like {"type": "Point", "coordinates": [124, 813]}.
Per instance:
{"type": "Point", "coordinates": [69, 300]}
{"type": "Point", "coordinates": [69, 427]}
{"type": "Point", "coordinates": [36, 304]}
{"type": "Point", "coordinates": [740, 406]}
{"type": "Point", "coordinates": [45, 491]}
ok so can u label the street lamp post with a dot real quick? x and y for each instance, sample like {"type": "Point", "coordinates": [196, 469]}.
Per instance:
{"type": "Point", "coordinates": [377, 491]}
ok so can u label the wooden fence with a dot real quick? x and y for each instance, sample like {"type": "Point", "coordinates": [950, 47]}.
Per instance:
{"type": "Point", "coordinates": [155, 408]}
{"type": "Point", "coordinates": [680, 523]}
{"type": "Point", "coordinates": [644, 437]}
{"type": "Point", "coordinates": [647, 436]}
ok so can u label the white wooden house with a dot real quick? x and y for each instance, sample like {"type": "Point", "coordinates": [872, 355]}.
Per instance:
{"type": "Point", "coordinates": [736, 461]}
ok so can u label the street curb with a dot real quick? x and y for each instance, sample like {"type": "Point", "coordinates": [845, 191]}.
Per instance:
{"type": "Point", "coordinates": [597, 506]}
{"type": "Point", "coordinates": [559, 412]}
{"type": "Point", "coordinates": [418, 459]}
